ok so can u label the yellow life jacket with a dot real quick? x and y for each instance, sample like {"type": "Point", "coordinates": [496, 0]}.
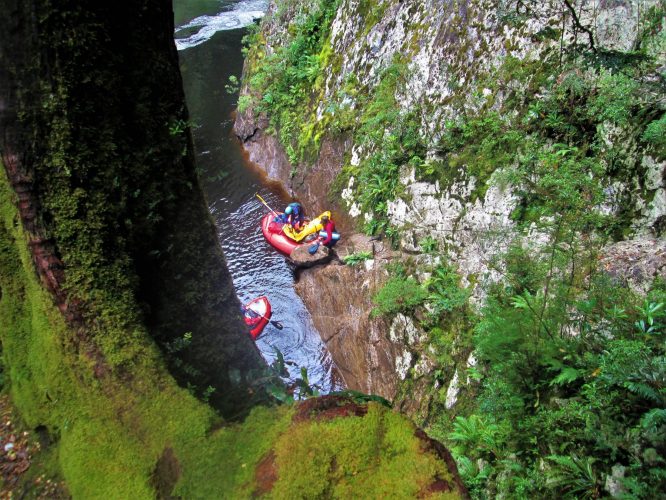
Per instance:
{"type": "Point", "coordinates": [312, 227]}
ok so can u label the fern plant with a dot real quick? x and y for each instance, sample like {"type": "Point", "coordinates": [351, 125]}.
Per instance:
{"type": "Point", "coordinates": [475, 436]}
{"type": "Point", "coordinates": [573, 476]}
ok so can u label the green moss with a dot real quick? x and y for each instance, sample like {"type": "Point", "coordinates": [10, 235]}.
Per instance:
{"type": "Point", "coordinates": [371, 11]}
{"type": "Point", "coordinates": [235, 451]}
{"type": "Point", "coordinates": [109, 432]}
{"type": "Point", "coordinates": [374, 456]}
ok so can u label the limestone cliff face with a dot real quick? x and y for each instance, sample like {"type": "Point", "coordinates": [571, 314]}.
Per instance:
{"type": "Point", "coordinates": [453, 61]}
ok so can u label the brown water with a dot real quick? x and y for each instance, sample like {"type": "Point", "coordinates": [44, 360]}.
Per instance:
{"type": "Point", "coordinates": [230, 185]}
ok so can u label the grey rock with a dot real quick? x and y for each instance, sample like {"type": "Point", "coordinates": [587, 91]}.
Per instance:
{"type": "Point", "coordinates": [302, 258]}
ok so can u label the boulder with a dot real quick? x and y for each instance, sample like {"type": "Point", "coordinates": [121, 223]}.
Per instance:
{"type": "Point", "coordinates": [302, 258]}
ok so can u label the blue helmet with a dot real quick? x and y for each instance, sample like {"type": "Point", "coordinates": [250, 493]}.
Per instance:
{"type": "Point", "coordinates": [288, 210]}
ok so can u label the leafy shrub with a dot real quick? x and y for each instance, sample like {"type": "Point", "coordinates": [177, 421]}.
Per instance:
{"type": "Point", "coordinates": [655, 134]}
{"type": "Point", "coordinates": [399, 295]}
{"type": "Point", "coordinates": [357, 258]}
{"type": "Point", "coordinates": [615, 97]}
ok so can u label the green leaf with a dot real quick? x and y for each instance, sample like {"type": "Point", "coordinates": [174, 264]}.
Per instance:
{"type": "Point", "coordinates": [566, 376]}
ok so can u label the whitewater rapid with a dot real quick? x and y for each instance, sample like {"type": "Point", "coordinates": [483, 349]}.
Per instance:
{"type": "Point", "coordinates": [239, 15]}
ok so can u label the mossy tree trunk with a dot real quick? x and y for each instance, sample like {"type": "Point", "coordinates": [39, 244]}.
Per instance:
{"type": "Point", "coordinates": [96, 144]}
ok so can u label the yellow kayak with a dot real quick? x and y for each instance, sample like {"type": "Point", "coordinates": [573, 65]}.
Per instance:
{"type": "Point", "coordinates": [312, 227]}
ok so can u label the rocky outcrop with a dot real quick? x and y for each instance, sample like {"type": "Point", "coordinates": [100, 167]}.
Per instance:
{"type": "Point", "coordinates": [312, 184]}
{"type": "Point", "coordinates": [311, 255]}
{"type": "Point", "coordinates": [339, 301]}
{"type": "Point", "coordinates": [337, 420]}
{"type": "Point", "coordinates": [635, 263]}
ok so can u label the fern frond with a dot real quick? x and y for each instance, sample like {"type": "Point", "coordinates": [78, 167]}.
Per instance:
{"type": "Point", "coordinates": [643, 390]}
{"type": "Point", "coordinates": [566, 376]}
{"type": "Point", "coordinates": [574, 475]}
{"type": "Point", "coordinates": [653, 419]}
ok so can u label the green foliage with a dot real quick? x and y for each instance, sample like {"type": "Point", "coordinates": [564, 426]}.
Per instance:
{"type": "Point", "coordinates": [281, 386]}
{"type": "Point", "coordinates": [574, 362]}
{"type": "Point", "coordinates": [179, 343]}
{"type": "Point", "coordinates": [477, 146]}
{"type": "Point", "coordinates": [445, 293]}
{"type": "Point", "coordinates": [475, 434]}
{"type": "Point", "coordinates": [574, 476]}
{"type": "Point", "coordinates": [244, 102]}
{"type": "Point", "coordinates": [655, 135]}
{"type": "Point", "coordinates": [233, 86]}
{"type": "Point", "coordinates": [394, 140]}
{"type": "Point", "coordinates": [616, 96]}
{"type": "Point", "coordinates": [362, 398]}
{"type": "Point", "coordinates": [578, 368]}
{"type": "Point", "coordinates": [399, 295]}
{"type": "Point", "coordinates": [287, 79]}
{"type": "Point", "coordinates": [356, 258]}
{"type": "Point", "coordinates": [371, 11]}
{"type": "Point", "coordinates": [428, 245]}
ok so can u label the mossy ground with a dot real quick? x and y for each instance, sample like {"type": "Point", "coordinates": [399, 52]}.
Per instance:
{"type": "Point", "coordinates": [373, 456]}
{"type": "Point", "coordinates": [108, 432]}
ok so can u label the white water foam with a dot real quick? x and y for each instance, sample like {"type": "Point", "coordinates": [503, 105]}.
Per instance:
{"type": "Point", "coordinates": [242, 14]}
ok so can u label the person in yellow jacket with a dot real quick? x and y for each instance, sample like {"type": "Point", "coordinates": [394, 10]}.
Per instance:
{"type": "Point", "coordinates": [312, 227]}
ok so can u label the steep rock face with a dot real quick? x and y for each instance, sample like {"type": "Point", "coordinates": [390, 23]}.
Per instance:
{"type": "Point", "coordinates": [477, 58]}
{"type": "Point", "coordinates": [312, 184]}
{"type": "Point", "coordinates": [338, 298]}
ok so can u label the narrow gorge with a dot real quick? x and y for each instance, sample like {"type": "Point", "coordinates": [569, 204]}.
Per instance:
{"type": "Point", "coordinates": [124, 354]}
{"type": "Point", "coordinates": [490, 325]}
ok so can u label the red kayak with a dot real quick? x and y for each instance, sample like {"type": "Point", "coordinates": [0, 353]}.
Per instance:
{"type": "Point", "coordinates": [274, 235]}
{"type": "Point", "coordinates": [257, 314]}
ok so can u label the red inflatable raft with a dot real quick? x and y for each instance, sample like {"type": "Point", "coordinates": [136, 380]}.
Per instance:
{"type": "Point", "coordinates": [257, 314]}
{"type": "Point", "coordinates": [274, 235]}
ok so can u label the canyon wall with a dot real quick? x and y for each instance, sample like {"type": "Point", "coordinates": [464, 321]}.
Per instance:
{"type": "Point", "coordinates": [408, 120]}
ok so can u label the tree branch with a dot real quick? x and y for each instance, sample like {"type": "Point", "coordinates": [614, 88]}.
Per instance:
{"type": "Point", "coordinates": [578, 24]}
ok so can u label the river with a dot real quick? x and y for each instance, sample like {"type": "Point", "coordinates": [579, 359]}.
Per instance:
{"type": "Point", "coordinates": [208, 36]}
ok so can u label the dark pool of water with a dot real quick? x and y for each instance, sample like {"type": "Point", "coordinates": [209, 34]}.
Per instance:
{"type": "Point", "coordinates": [230, 185]}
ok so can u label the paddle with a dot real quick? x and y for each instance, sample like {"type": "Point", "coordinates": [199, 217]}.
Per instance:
{"type": "Point", "coordinates": [276, 324]}
{"type": "Point", "coordinates": [266, 204]}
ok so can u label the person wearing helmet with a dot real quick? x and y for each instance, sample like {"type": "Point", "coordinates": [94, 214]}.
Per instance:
{"type": "Point", "coordinates": [295, 215]}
